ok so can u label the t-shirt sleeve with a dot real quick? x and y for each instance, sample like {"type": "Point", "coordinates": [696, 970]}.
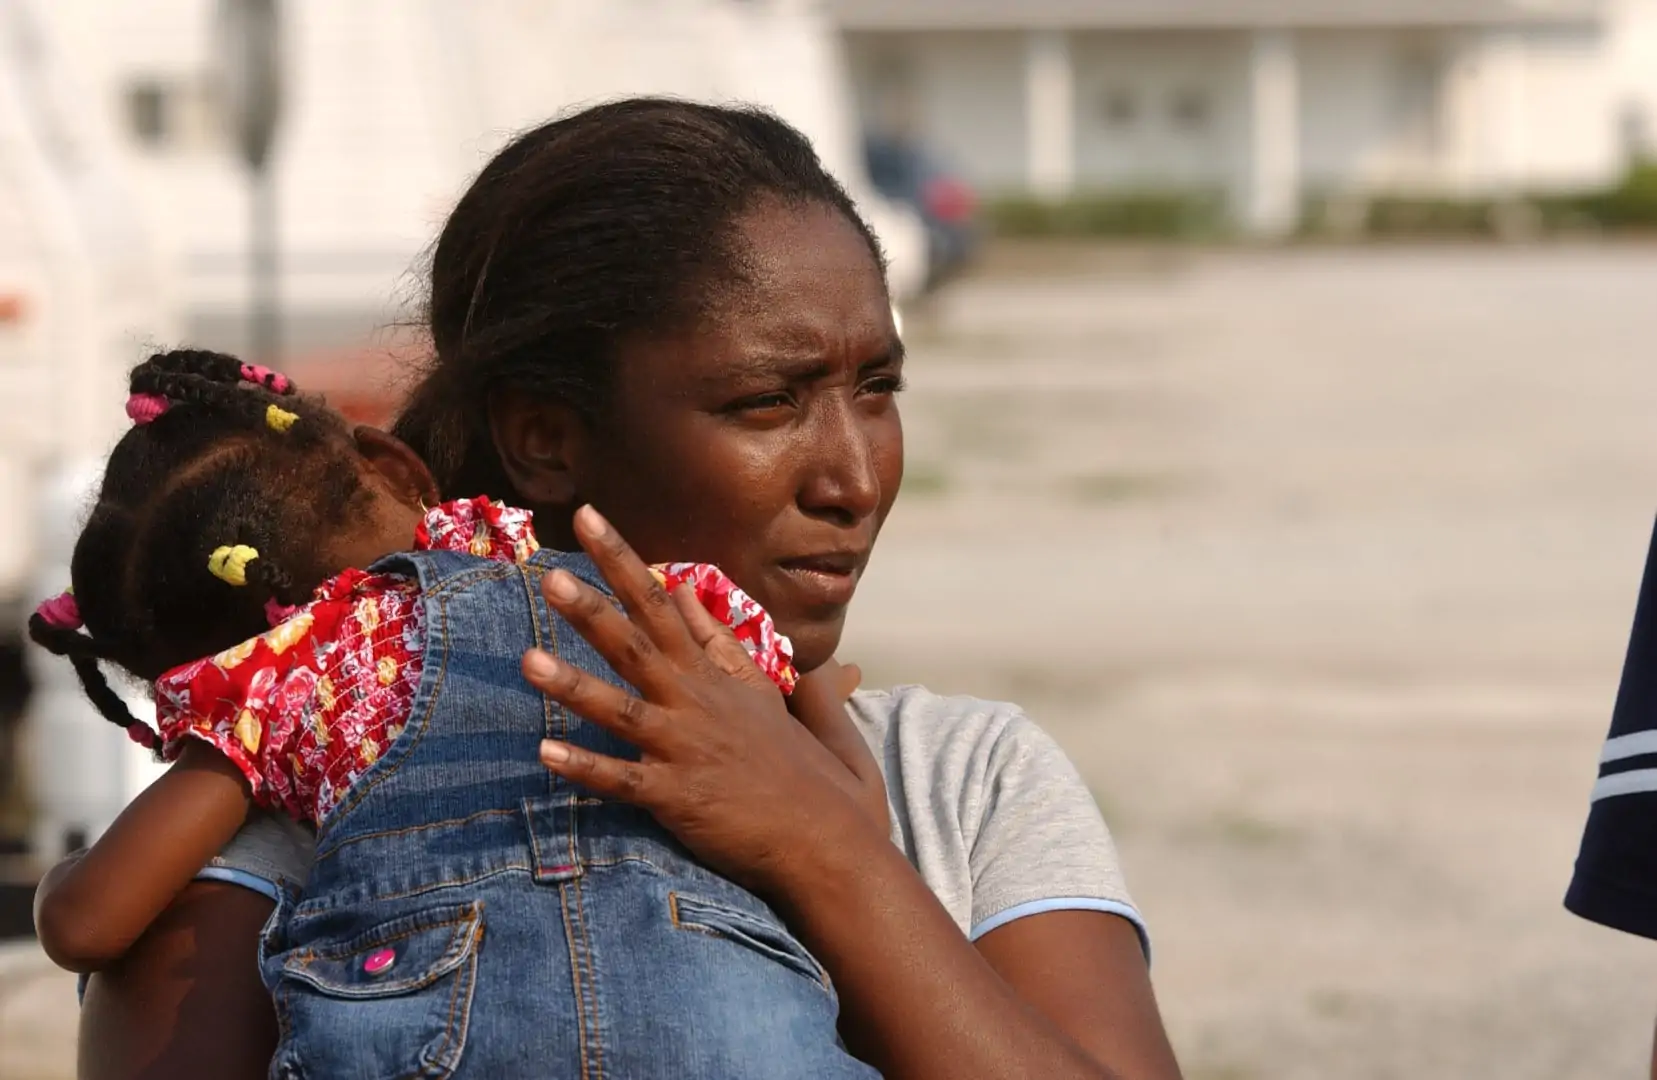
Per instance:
{"type": "Point", "coordinates": [1615, 883]}
{"type": "Point", "coordinates": [270, 852]}
{"type": "Point", "coordinates": [1041, 844]}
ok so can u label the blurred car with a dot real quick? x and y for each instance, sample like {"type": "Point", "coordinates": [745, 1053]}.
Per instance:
{"type": "Point", "coordinates": [904, 172]}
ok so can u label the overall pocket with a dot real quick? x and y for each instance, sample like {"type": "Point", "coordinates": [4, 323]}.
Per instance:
{"type": "Point", "coordinates": [747, 929]}
{"type": "Point", "coordinates": [393, 1001]}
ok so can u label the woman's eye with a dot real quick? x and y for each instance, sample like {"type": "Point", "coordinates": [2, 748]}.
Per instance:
{"type": "Point", "coordinates": [779, 399]}
{"type": "Point", "coordinates": [885, 384]}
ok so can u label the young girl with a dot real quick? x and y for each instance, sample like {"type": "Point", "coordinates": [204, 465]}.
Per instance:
{"type": "Point", "coordinates": [324, 644]}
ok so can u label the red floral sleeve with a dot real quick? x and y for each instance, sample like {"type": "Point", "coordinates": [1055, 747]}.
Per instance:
{"type": "Point", "coordinates": [772, 651]}
{"type": "Point", "coordinates": [245, 702]}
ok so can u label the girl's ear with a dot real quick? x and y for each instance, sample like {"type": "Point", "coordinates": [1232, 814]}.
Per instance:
{"type": "Point", "coordinates": [405, 474]}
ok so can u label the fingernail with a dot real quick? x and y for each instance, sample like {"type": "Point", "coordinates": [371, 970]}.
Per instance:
{"type": "Point", "coordinates": [563, 585]}
{"type": "Point", "coordinates": [541, 665]}
{"type": "Point", "coordinates": [554, 753]}
{"type": "Point", "coordinates": [593, 520]}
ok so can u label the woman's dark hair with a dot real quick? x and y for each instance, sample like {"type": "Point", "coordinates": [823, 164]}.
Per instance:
{"type": "Point", "coordinates": [222, 455]}
{"type": "Point", "coordinates": [611, 224]}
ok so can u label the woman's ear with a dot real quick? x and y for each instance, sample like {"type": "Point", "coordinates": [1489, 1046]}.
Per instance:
{"type": "Point", "coordinates": [539, 444]}
{"type": "Point", "coordinates": [405, 474]}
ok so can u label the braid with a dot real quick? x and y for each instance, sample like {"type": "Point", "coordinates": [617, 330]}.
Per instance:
{"type": "Point", "coordinates": [273, 580]}
{"type": "Point", "coordinates": [213, 366]}
{"type": "Point", "coordinates": [222, 456]}
{"type": "Point", "coordinates": [82, 653]}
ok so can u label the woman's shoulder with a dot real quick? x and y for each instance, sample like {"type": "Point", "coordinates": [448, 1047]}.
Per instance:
{"type": "Point", "coordinates": [944, 732]}
{"type": "Point", "coordinates": [969, 754]}
{"type": "Point", "coordinates": [989, 808]}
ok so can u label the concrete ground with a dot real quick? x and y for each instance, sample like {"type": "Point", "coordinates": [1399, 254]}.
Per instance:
{"type": "Point", "coordinates": [1320, 564]}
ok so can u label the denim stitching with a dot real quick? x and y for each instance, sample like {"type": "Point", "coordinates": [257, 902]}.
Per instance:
{"type": "Point", "coordinates": [467, 820]}
{"type": "Point", "coordinates": [739, 917]}
{"type": "Point", "coordinates": [577, 976]}
{"type": "Point", "coordinates": [592, 977]}
{"type": "Point", "coordinates": [465, 578]}
{"type": "Point", "coordinates": [352, 946]}
{"type": "Point", "coordinates": [438, 1069]}
{"type": "Point", "coordinates": [420, 890]}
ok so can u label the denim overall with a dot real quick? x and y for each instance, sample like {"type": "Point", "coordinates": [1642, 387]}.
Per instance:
{"type": "Point", "coordinates": [471, 915]}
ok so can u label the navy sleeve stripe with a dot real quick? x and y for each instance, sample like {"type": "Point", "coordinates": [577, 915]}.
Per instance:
{"type": "Point", "coordinates": [1627, 746]}
{"type": "Point", "coordinates": [1625, 783]}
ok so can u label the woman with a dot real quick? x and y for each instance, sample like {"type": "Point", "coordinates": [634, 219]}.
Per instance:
{"type": "Point", "coordinates": [669, 311]}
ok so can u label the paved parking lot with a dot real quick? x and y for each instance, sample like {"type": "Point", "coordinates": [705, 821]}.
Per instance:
{"type": "Point", "coordinates": [1319, 563]}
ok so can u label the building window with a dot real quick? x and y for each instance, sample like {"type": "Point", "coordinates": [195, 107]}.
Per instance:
{"type": "Point", "coordinates": [1190, 109]}
{"type": "Point", "coordinates": [149, 109]}
{"type": "Point", "coordinates": [1118, 107]}
{"type": "Point", "coordinates": [1420, 78]}
{"type": "Point", "coordinates": [175, 115]}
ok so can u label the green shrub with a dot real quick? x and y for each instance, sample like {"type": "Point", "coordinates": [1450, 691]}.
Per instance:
{"type": "Point", "coordinates": [1127, 215]}
{"type": "Point", "coordinates": [1629, 206]}
{"type": "Point", "coordinates": [1632, 204]}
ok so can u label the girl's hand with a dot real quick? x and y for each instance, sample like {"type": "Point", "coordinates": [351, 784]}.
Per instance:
{"type": "Point", "coordinates": [723, 765]}
{"type": "Point", "coordinates": [819, 703]}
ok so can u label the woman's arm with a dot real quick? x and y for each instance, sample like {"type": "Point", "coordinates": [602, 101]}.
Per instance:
{"type": "Point", "coordinates": [1058, 995]}
{"type": "Point", "coordinates": [727, 770]}
{"type": "Point", "coordinates": [88, 912]}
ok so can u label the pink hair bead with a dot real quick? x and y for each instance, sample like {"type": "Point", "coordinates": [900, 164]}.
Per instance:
{"type": "Point", "coordinates": [257, 373]}
{"type": "Point", "coordinates": [61, 611]}
{"type": "Point", "coordinates": [143, 408]}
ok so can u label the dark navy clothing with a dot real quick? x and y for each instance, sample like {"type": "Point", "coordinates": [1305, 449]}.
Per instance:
{"type": "Point", "coordinates": [1616, 870]}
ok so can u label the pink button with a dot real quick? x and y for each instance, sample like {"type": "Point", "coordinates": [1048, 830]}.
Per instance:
{"type": "Point", "coordinates": [379, 961]}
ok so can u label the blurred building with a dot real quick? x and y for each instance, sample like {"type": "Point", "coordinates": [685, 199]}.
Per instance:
{"type": "Point", "coordinates": [125, 225]}
{"type": "Point", "coordinates": [1264, 101]}
{"type": "Point", "coordinates": [393, 105]}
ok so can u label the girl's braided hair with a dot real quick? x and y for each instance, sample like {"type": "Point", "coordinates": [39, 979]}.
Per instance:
{"type": "Point", "coordinates": [225, 464]}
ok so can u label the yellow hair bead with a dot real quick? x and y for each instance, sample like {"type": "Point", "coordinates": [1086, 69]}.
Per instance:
{"type": "Point", "coordinates": [229, 564]}
{"type": "Point", "coordinates": [279, 418]}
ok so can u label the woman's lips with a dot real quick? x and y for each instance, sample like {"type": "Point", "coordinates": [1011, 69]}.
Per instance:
{"type": "Point", "coordinates": [823, 580]}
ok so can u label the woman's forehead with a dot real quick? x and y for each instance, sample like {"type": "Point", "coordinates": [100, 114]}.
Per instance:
{"type": "Point", "coordinates": [811, 295]}
{"type": "Point", "coordinates": [809, 276]}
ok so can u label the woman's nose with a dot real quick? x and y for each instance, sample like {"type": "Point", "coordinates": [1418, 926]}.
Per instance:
{"type": "Point", "coordinates": [841, 481]}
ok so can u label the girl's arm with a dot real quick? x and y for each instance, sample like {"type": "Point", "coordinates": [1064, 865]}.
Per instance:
{"type": "Point", "coordinates": [88, 912]}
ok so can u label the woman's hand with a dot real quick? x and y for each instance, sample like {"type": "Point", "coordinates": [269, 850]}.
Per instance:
{"type": "Point", "coordinates": [723, 765]}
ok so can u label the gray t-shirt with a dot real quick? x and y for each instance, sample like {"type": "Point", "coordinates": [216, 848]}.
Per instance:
{"type": "Point", "coordinates": [990, 810]}
{"type": "Point", "coordinates": [984, 803]}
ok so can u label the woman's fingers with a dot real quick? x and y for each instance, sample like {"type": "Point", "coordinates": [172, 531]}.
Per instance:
{"type": "Point", "coordinates": [612, 778]}
{"type": "Point", "coordinates": [620, 640]}
{"type": "Point", "coordinates": [607, 705]}
{"type": "Point", "coordinates": [647, 603]}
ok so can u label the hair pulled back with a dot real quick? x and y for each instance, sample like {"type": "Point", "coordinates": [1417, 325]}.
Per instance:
{"type": "Point", "coordinates": [611, 224]}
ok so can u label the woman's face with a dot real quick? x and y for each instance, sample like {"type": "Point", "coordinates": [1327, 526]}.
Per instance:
{"type": "Point", "coordinates": [767, 441]}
